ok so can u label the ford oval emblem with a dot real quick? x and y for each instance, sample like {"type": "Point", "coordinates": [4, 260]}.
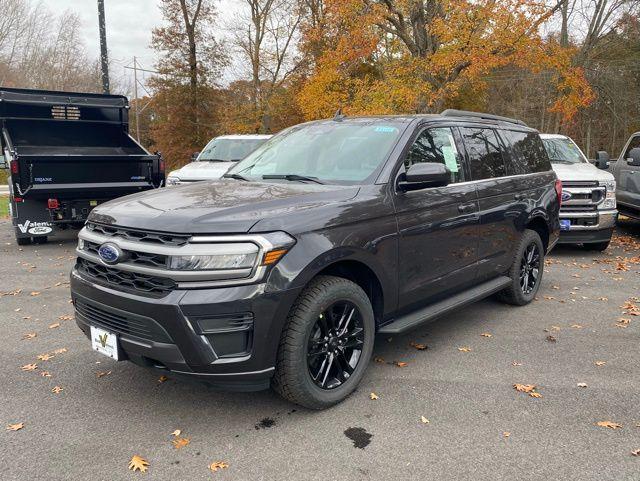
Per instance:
{"type": "Point", "coordinates": [110, 253]}
{"type": "Point", "coordinates": [566, 196]}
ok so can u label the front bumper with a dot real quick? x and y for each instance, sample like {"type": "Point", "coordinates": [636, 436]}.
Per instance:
{"type": "Point", "coordinates": [588, 227]}
{"type": "Point", "coordinates": [227, 336]}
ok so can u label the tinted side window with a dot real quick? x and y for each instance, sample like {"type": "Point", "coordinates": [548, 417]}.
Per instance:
{"type": "Point", "coordinates": [635, 142]}
{"type": "Point", "coordinates": [436, 145]}
{"type": "Point", "coordinates": [529, 154]}
{"type": "Point", "coordinates": [483, 149]}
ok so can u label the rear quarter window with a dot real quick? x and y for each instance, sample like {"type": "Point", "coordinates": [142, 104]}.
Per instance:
{"type": "Point", "coordinates": [528, 154]}
{"type": "Point", "coordinates": [634, 143]}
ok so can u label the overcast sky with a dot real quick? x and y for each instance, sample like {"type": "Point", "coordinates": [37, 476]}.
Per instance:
{"type": "Point", "coordinates": [129, 25]}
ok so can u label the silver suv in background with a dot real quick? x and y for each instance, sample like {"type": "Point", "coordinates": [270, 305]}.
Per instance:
{"type": "Point", "coordinates": [220, 154]}
{"type": "Point", "coordinates": [588, 212]}
{"type": "Point", "coordinates": [626, 170]}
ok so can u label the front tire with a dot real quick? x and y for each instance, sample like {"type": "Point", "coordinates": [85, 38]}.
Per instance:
{"type": "Point", "coordinates": [326, 344]}
{"type": "Point", "coordinates": [526, 270]}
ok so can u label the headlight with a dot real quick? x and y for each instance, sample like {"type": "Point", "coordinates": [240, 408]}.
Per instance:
{"type": "Point", "coordinates": [610, 199]}
{"type": "Point", "coordinates": [213, 262]}
{"type": "Point", "coordinates": [171, 180]}
{"type": "Point", "coordinates": [235, 255]}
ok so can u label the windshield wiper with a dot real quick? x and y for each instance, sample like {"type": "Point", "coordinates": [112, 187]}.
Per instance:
{"type": "Point", "coordinates": [293, 177]}
{"type": "Point", "coordinates": [215, 160]}
{"type": "Point", "coordinates": [236, 177]}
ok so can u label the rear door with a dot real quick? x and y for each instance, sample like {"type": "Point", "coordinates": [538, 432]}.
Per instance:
{"type": "Point", "coordinates": [502, 197]}
{"type": "Point", "coordinates": [628, 177]}
{"type": "Point", "coordinates": [438, 226]}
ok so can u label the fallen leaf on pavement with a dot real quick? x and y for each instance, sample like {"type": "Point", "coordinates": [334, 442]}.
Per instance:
{"type": "Point", "coordinates": [102, 374]}
{"type": "Point", "coordinates": [138, 464]}
{"type": "Point", "coordinates": [486, 334]}
{"type": "Point", "coordinates": [180, 442]}
{"type": "Point", "coordinates": [65, 318]}
{"type": "Point", "coordinates": [54, 325]}
{"type": "Point", "coordinates": [218, 465]}
{"type": "Point", "coordinates": [29, 335]}
{"type": "Point", "coordinates": [373, 396]}
{"type": "Point", "coordinates": [635, 453]}
{"type": "Point", "coordinates": [379, 360]}
{"type": "Point", "coordinates": [15, 427]}
{"type": "Point", "coordinates": [516, 363]}
{"type": "Point", "coordinates": [45, 374]}
{"type": "Point", "coordinates": [464, 349]}
{"type": "Point", "coordinates": [401, 364]}
{"type": "Point", "coordinates": [162, 378]}
{"type": "Point", "coordinates": [45, 357]}
{"type": "Point", "coordinates": [582, 384]}
{"type": "Point", "coordinates": [34, 293]}
{"type": "Point", "coordinates": [576, 326]}
{"type": "Point", "coordinates": [623, 323]}
{"type": "Point", "coordinates": [551, 338]}
{"type": "Point", "coordinates": [608, 424]}
{"type": "Point", "coordinates": [29, 367]}
{"type": "Point", "coordinates": [419, 347]}
{"type": "Point", "coordinates": [600, 363]}
{"type": "Point", "coordinates": [57, 390]}
{"type": "Point", "coordinates": [424, 420]}
{"type": "Point", "coordinates": [535, 394]}
{"type": "Point", "coordinates": [524, 387]}
{"type": "Point", "coordinates": [176, 433]}
{"type": "Point", "coordinates": [506, 434]}
{"type": "Point", "coordinates": [62, 350]}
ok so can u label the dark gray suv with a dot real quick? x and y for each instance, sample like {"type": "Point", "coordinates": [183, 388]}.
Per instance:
{"type": "Point", "coordinates": [282, 273]}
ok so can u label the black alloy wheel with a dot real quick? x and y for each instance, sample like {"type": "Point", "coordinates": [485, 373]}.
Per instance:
{"type": "Point", "coordinates": [530, 268]}
{"type": "Point", "coordinates": [335, 345]}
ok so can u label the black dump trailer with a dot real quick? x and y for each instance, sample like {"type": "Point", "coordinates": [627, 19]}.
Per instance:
{"type": "Point", "coordinates": [68, 152]}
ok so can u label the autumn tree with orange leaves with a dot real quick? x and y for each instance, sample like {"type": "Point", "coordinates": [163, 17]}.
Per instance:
{"type": "Point", "coordinates": [392, 56]}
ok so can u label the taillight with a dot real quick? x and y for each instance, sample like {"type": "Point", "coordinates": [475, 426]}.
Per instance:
{"type": "Point", "coordinates": [53, 204]}
{"type": "Point", "coordinates": [559, 191]}
{"type": "Point", "coordinates": [161, 166]}
{"type": "Point", "coordinates": [14, 167]}
{"type": "Point", "coordinates": [18, 199]}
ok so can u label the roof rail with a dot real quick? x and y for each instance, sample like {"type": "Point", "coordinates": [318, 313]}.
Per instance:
{"type": "Point", "coordinates": [480, 115]}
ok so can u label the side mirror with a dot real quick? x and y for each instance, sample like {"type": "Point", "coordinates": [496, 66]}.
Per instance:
{"type": "Point", "coordinates": [602, 160]}
{"type": "Point", "coordinates": [423, 175]}
{"type": "Point", "coordinates": [634, 157]}
{"type": "Point", "coordinates": [194, 156]}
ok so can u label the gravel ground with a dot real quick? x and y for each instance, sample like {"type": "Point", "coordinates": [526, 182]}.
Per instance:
{"type": "Point", "coordinates": [479, 427]}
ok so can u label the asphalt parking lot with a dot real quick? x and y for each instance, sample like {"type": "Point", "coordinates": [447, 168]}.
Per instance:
{"type": "Point", "coordinates": [479, 427]}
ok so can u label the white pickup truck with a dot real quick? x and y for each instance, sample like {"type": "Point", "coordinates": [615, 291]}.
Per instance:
{"type": "Point", "coordinates": [588, 213]}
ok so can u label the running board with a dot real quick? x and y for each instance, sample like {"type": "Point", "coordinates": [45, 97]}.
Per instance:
{"type": "Point", "coordinates": [428, 313]}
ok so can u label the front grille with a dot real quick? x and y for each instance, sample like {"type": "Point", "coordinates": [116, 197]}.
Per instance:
{"type": "Point", "coordinates": [134, 257]}
{"type": "Point", "coordinates": [121, 322]}
{"type": "Point", "coordinates": [124, 280]}
{"type": "Point", "coordinates": [139, 235]}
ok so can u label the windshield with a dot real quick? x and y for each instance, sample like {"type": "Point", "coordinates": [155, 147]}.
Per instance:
{"type": "Point", "coordinates": [563, 151]}
{"type": "Point", "coordinates": [227, 150]}
{"type": "Point", "coordinates": [329, 151]}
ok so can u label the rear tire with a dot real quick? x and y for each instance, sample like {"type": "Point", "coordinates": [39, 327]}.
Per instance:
{"type": "Point", "coordinates": [40, 240]}
{"type": "Point", "coordinates": [527, 267]}
{"type": "Point", "coordinates": [320, 332]}
{"type": "Point", "coordinates": [597, 246]}
{"type": "Point", "coordinates": [23, 241]}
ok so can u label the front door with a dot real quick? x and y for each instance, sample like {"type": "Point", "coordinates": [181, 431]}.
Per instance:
{"type": "Point", "coordinates": [438, 226]}
{"type": "Point", "coordinates": [628, 188]}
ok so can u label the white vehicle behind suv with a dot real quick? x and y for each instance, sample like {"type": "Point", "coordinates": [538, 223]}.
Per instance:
{"type": "Point", "coordinates": [220, 154]}
{"type": "Point", "coordinates": [588, 212]}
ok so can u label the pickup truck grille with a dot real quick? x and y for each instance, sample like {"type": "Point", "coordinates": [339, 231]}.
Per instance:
{"type": "Point", "coordinates": [124, 280]}
{"type": "Point", "coordinates": [138, 235]}
{"type": "Point", "coordinates": [585, 197]}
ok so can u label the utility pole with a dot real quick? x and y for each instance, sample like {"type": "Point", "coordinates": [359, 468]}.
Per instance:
{"type": "Point", "coordinates": [104, 57]}
{"type": "Point", "coordinates": [135, 93]}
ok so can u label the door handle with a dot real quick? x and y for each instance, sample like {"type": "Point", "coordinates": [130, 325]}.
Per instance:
{"type": "Point", "coordinates": [464, 208]}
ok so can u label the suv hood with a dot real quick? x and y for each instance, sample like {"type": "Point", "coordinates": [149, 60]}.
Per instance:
{"type": "Point", "coordinates": [225, 206]}
{"type": "Point", "coordinates": [202, 170]}
{"type": "Point", "coordinates": [580, 172]}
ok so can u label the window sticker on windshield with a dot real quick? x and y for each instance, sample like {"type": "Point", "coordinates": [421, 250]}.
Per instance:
{"type": "Point", "coordinates": [384, 128]}
{"type": "Point", "coordinates": [450, 158]}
